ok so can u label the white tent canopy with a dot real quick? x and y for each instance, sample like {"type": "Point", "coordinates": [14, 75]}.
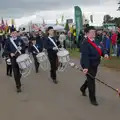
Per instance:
{"type": "Point", "coordinates": [58, 28]}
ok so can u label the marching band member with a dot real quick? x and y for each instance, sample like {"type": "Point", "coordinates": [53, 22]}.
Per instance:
{"type": "Point", "coordinates": [37, 46]}
{"type": "Point", "coordinates": [13, 53]}
{"type": "Point", "coordinates": [52, 49]}
{"type": "Point", "coordinates": [90, 59]}
{"type": "Point", "coordinates": [35, 49]}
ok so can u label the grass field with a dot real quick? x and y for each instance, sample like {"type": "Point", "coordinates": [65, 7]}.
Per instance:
{"type": "Point", "coordinates": [113, 62]}
{"type": "Point", "coordinates": [74, 53]}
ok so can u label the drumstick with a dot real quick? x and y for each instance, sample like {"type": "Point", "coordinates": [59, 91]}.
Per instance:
{"type": "Point", "coordinates": [16, 52]}
{"type": "Point", "coordinates": [107, 85]}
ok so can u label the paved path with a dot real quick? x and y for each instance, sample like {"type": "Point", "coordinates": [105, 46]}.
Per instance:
{"type": "Point", "coordinates": [42, 100]}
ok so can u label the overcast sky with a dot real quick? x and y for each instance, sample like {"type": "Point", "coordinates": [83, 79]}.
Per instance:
{"type": "Point", "coordinates": [35, 10]}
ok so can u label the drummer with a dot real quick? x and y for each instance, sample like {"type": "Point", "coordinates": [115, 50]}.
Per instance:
{"type": "Point", "coordinates": [35, 49]}
{"type": "Point", "coordinates": [12, 52]}
{"type": "Point", "coordinates": [52, 53]}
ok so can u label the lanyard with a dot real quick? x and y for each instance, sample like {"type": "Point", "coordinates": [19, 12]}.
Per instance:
{"type": "Point", "coordinates": [36, 48]}
{"type": "Point", "coordinates": [15, 45]}
{"type": "Point", "coordinates": [53, 42]}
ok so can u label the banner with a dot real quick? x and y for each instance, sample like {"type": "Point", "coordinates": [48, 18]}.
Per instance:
{"type": "Point", "coordinates": [12, 24]}
{"type": "Point", "coordinates": [2, 27]}
{"type": "Point", "coordinates": [79, 21]}
{"type": "Point", "coordinates": [57, 23]}
{"type": "Point", "coordinates": [6, 27]}
{"type": "Point", "coordinates": [91, 18]}
{"type": "Point", "coordinates": [62, 19]}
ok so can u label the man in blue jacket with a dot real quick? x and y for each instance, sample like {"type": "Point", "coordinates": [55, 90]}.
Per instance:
{"type": "Point", "coordinates": [90, 59]}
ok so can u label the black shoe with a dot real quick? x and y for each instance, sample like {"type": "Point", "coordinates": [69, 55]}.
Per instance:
{"type": "Point", "coordinates": [19, 90]}
{"type": "Point", "coordinates": [94, 103]}
{"type": "Point", "coordinates": [10, 75]}
{"type": "Point", "coordinates": [83, 92]}
{"type": "Point", "coordinates": [55, 81]}
{"type": "Point", "coordinates": [37, 71]}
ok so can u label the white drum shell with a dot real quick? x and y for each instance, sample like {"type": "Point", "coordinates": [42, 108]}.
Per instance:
{"type": "Point", "coordinates": [24, 61]}
{"type": "Point", "coordinates": [63, 56]}
{"type": "Point", "coordinates": [43, 60]}
{"type": "Point", "coordinates": [41, 57]}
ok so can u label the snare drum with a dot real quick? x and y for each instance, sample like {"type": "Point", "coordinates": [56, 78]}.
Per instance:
{"type": "Point", "coordinates": [24, 61]}
{"type": "Point", "coordinates": [63, 58]}
{"type": "Point", "coordinates": [43, 60]}
{"type": "Point", "coordinates": [41, 57]}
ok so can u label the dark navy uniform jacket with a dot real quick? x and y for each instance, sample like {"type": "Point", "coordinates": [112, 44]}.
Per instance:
{"type": "Point", "coordinates": [40, 42]}
{"type": "Point", "coordinates": [49, 45]}
{"type": "Point", "coordinates": [39, 45]}
{"type": "Point", "coordinates": [89, 55]}
{"type": "Point", "coordinates": [9, 47]}
{"type": "Point", "coordinates": [33, 49]}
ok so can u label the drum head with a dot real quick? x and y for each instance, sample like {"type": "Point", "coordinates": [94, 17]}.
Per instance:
{"type": "Point", "coordinates": [40, 54]}
{"type": "Point", "coordinates": [41, 57]}
{"type": "Point", "coordinates": [22, 57]}
{"type": "Point", "coordinates": [62, 53]}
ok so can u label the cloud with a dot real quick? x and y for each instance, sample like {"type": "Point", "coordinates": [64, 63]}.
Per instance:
{"type": "Point", "coordinates": [17, 8]}
{"type": "Point", "coordinates": [35, 10]}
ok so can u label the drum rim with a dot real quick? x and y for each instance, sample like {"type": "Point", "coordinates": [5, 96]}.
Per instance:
{"type": "Point", "coordinates": [18, 58]}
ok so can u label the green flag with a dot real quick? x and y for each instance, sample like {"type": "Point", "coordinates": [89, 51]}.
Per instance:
{"type": "Point", "coordinates": [79, 21]}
